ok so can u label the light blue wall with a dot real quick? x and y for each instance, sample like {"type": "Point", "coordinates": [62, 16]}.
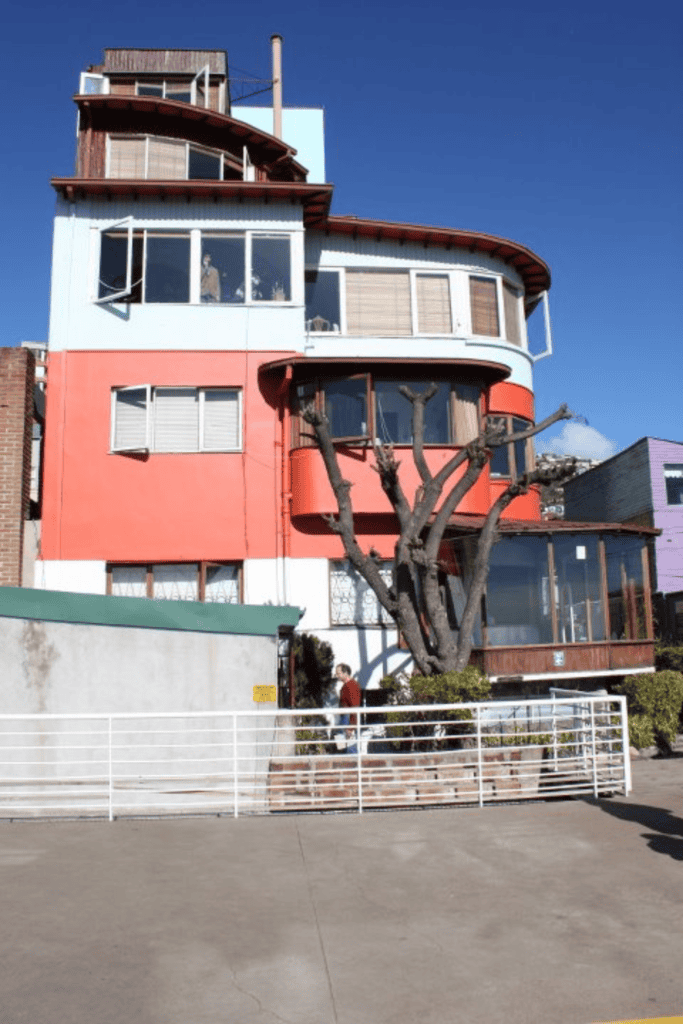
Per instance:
{"type": "Point", "coordinates": [302, 128]}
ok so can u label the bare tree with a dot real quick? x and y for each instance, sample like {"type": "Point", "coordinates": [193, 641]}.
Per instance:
{"type": "Point", "coordinates": [414, 599]}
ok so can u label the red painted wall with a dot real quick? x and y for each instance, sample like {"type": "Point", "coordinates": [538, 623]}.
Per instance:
{"type": "Point", "coordinates": [186, 507]}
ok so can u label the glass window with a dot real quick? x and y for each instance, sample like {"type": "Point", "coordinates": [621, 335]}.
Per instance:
{"type": "Point", "coordinates": [625, 588]}
{"type": "Point", "coordinates": [467, 422]}
{"type": "Point", "coordinates": [181, 93]}
{"type": "Point", "coordinates": [184, 419]}
{"type": "Point", "coordinates": [222, 584]}
{"type": "Point", "coordinates": [167, 276]}
{"type": "Point", "coordinates": [322, 300]}
{"type": "Point", "coordinates": [222, 270]}
{"type": "Point", "coordinates": [518, 593]}
{"type": "Point", "coordinates": [204, 165]}
{"type": "Point", "coordinates": [129, 580]}
{"type": "Point", "coordinates": [673, 478]}
{"type": "Point", "coordinates": [511, 307]}
{"type": "Point", "coordinates": [394, 413]}
{"type": "Point", "coordinates": [176, 420]}
{"type": "Point", "coordinates": [577, 596]}
{"type": "Point", "coordinates": [175, 582]}
{"type": "Point", "coordinates": [221, 427]}
{"type": "Point", "coordinates": [484, 305]}
{"type": "Point", "coordinates": [520, 447]}
{"type": "Point", "coordinates": [113, 263]}
{"type": "Point", "coordinates": [270, 269]}
{"type": "Point", "coordinates": [150, 89]}
{"type": "Point", "coordinates": [433, 304]}
{"type": "Point", "coordinates": [500, 460]}
{"type": "Point", "coordinates": [346, 407]}
{"type": "Point", "coordinates": [183, 581]}
{"type": "Point", "coordinates": [352, 601]}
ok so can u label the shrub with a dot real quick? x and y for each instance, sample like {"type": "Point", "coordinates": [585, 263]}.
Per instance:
{"type": "Point", "coordinates": [668, 658]}
{"type": "Point", "coordinates": [448, 688]}
{"type": "Point", "coordinates": [654, 704]}
{"type": "Point", "coordinates": [313, 662]}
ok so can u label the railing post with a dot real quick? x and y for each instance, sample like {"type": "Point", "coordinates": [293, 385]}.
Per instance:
{"type": "Point", "coordinates": [595, 748]}
{"type": "Point", "coordinates": [479, 758]}
{"type": "Point", "coordinates": [359, 764]}
{"type": "Point", "coordinates": [554, 707]}
{"type": "Point", "coordinates": [625, 747]}
{"type": "Point", "coordinates": [235, 766]}
{"type": "Point", "coordinates": [111, 777]}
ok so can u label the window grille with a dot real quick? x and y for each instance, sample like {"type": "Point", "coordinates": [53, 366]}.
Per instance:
{"type": "Point", "coordinates": [352, 600]}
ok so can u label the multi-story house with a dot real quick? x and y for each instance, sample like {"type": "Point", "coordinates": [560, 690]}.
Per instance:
{"type": "Point", "coordinates": [202, 294]}
{"type": "Point", "coordinates": [643, 485]}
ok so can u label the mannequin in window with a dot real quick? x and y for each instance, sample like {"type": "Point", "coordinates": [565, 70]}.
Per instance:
{"type": "Point", "coordinates": [210, 282]}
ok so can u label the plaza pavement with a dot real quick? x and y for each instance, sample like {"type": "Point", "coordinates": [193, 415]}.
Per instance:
{"type": "Point", "coordinates": [567, 913]}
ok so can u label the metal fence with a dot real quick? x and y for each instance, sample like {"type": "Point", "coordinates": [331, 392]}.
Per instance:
{"type": "Point", "coordinates": [262, 762]}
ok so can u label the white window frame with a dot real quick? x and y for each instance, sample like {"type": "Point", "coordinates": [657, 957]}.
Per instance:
{"type": "Point", "coordinates": [486, 276]}
{"type": "Point", "coordinates": [548, 351]}
{"type": "Point", "coordinates": [90, 76]}
{"type": "Point", "coordinates": [341, 275]}
{"type": "Point", "coordinates": [149, 421]}
{"type": "Point", "coordinates": [148, 407]}
{"type": "Point", "coordinates": [164, 82]}
{"type": "Point", "coordinates": [202, 73]}
{"type": "Point", "coordinates": [431, 272]}
{"type": "Point", "coordinates": [521, 323]}
{"type": "Point", "coordinates": [126, 222]}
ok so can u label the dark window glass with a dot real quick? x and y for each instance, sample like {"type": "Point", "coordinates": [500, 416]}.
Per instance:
{"type": "Point", "coordinates": [150, 90]}
{"type": "Point", "coordinates": [113, 256]}
{"type": "Point", "coordinates": [520, 446]}
{"type": "Point", "coordinates": [346, 407]}
{"type": "Point", "coordinates": [625, 587]}
{"type": "Point", "coordinates": [204, 165]}
{"type": "Point", "coordinates": [673, 478]}
{"type": "Point", "coordinates": [500, 460]}
{"type": "Point", "coordinates": [182, 93]}
{"type": "Point", "coordinates": [270, 277]}
{"type": "Point", "coordinates": [577, 589]}
{"type": "Point", "coordinates": [322, 300]}
{"type": "Point", "coordinates": [394, 413]}
{"type": "Point", "coordinates": [167, 276]}
{"type": "Point", "coordinates": [518, 593]}
{"type": "Point", "coordinates": [222, 270]}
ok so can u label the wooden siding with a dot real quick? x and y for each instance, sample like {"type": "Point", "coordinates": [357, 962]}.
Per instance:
{"type": "Point", "coordinates": [538, 660]}
{"type": "Point", "coordinates": [131, 61]}
{"type": "Point", "coordinates": [617, 491]}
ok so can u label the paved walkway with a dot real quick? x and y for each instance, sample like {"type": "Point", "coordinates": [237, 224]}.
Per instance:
{"type": "Point", "coordinates": [563, 913]}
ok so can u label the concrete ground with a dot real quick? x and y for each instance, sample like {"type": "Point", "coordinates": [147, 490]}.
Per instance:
{"type": "Point", "coordinates": [567, 913]}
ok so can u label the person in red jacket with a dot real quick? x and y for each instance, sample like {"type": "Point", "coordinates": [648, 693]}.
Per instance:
{"type": "Point", "coordinates": [349, 697]}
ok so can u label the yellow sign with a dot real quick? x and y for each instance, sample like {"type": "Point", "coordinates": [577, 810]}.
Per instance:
{"type": "Point", "coordinates": [265, 694]}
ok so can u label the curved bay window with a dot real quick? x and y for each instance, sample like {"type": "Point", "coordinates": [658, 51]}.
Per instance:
{"type": "Point", "coordinates": [367, 407]}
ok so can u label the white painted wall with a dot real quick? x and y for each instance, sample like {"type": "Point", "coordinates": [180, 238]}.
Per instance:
{"type": "Point", "coordinates": [77, 322]}
{"type": "Point", "coordinates": [79, 577]}
{"type": "Point", "coordinates": [303, 128]}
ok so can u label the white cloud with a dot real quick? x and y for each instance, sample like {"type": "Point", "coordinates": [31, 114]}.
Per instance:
{"type": "Point", "coordinates": [580, 440]}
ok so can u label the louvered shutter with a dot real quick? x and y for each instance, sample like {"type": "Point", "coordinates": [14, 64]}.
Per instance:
{"type": "Point", "coordinates": [127, 158]}
{"type": "Point", "coordinates": [378, 303]}
{"type": "Point", "coordinates": [511, 307]}
{"type": "Point", "coordinates": [176, 420]}
{"type": "Point", "coordinates": [484, 303]}
{"type": "Point", "coordinates": [167, 160]}
{"type": "Point", "coordinates": [433, 304]}
{"type": "Point", "coordinates": [130, 415]}
{"type": "Point", "coordinates": [467, 424]}
{"type": "Point", "coordinates": [221, 420]}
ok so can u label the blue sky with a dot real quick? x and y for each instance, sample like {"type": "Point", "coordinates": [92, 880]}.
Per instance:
{"type": "Point", "coordinates": [556, 126]}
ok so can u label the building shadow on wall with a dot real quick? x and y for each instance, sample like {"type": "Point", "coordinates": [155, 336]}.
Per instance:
{"type": "Point", "coordinates": [666, 835]}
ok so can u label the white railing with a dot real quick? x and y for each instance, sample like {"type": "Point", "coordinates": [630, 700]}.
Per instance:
{"type": "Point", "coordinates": [257, 762]}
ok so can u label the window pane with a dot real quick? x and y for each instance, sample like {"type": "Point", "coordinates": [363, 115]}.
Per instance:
{"type": "Point", "coordinates": [167, 160]}
{"type": "Point", "coordinates": [346, 407]}
{"type": "Point", "coordinates": [322, 300]}
{"type": "Point", "coordinates": [625, 587]}
{"type": "Point", "coordinates": [378, 303]}
{"type": "Point", "coordinates": [150, 90]}
{"type": "Point", "coordinates": [182, 93]}
{"type": "Point", "coordinates": [520, 447]}
{"type": "Point", "coordinates": [130, 419]}
{"type": "Point", "coordinates": [221, 420]}
{"type": "Point", "coordinates": [129, 580]}
{"type": "Point", "coordinates": [394, 413]}
{"type": "Point", "coordinates": [222, 584]}
{"type": "Point", "coordinates": [352, 601]}
{"type": "Point", "coordinates": [500, 460]}
{"type": "Point", "coordinates": [176, 420]}
{"type": "Point", "coordinates": [511, 306]}
{"type": "Point", "coordinates": [673, 478]}
{"type": "Point", "coordinates": [176, 582]}
{"type": "Point", "coordinates": [484, 304]}
{"type": "Point", "coordinates": [433, 304]}
{"type": "Point", "coordinates": [127, 158]}
{"type": "Point", "coordinates": [577, 596]}
{"type": "Point", "coordinates": [204, 165]}
{"type": "Point", "coordinates": [518, 592]}
{"type": "Point", "coordinates": [113, 255]}
{"type": "Point", "coordinates": [467, 425]}
{"type": "Point", "coordinates": [222, 272]}
{"type": "Point", "coordinates": [270, 277]}
{"type": "Point", "coordinates": [167, 277]}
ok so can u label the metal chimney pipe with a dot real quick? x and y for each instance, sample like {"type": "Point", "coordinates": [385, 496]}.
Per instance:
{"type": "Point", "coordinates": [276, 41]}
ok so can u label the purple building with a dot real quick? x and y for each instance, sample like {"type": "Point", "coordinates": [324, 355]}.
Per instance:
{"type": "Point", "coordinates": [642, 486]}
